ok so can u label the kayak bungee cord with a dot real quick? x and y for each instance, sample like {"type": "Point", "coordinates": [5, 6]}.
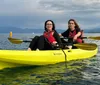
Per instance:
{"type": "Point", "coordinates": [65, 58]}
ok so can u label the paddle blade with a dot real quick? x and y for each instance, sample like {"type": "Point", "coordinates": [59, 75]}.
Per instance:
{"type": "Point", "coordinates": [86, 46]}
{"type": "Point", "coordinates": [15, 41]}
{"type": "Point", "coordinates": [95, 38]}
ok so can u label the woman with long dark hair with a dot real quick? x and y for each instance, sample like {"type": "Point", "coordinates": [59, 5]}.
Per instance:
{"type": "Point", "coordinates": [73, 33]}
{"type": "Point", "coordinates": [48, 41]}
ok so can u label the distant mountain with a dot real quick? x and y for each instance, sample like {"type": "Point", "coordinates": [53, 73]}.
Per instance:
{"type": "Point", "coordinates": [94, 30]}
{"type": "Point", "coordinates": [19, 30]}
{"type": "Point", "coordinates": [26, 30]}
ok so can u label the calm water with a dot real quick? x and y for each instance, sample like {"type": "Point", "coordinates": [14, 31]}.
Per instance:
{"type": "Point", "coordinates": [80, 72]}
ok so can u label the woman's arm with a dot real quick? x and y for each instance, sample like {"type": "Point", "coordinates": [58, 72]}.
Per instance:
{"type": "Point", "coordinates": [57, 37]}
{"type": "Point", "coordinates": [77, 35]}
{"type": "Point", "coordinates": [65, 34]}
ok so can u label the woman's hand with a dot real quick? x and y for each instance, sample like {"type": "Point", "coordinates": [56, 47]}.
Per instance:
{"type": "Point", "coordinates": [60, 34]}
{"type": "Point", "coordinates": [75, 38]}
{"type": "Point", "coordinates": [54, 43]}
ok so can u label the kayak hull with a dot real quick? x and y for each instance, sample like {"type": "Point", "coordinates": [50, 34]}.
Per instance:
{"type": "Point", "coordinates": [14, 58]}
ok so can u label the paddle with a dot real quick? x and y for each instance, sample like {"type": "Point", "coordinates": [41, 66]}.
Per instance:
{"type": "Point", "coordinates": [94, 38]}
{"type": "Point", "coordinates": [14, 40]}
{"type": "Point", "coordinates": [85, 46]}
{"type": "Point", "coordinates": [17, 41]}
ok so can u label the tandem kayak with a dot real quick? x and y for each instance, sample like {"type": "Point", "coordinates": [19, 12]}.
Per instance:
{"type": "Point", "coordinates": [15, 58]}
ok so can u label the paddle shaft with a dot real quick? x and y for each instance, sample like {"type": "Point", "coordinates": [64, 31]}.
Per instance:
{"type": "Point", "coordinates": [26, 41]}
{"type": "Point", "coordinates": [85, 37]}
{"type": "Point", "coordinates": [69, 38]}
{"type": "Point", "coordinates": [19, 40]}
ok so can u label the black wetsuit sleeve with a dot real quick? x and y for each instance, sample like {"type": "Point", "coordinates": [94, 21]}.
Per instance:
{"type": "Point", "coordinates": [65, 34]}
{"type": "Point", "coordinates": [57, 37]}
{"type": "Point", "coordinates": [78, 30]}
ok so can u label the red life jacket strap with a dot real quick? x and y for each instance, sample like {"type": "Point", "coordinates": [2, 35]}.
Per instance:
{"type": "Point", "coordinates": [49, 36]}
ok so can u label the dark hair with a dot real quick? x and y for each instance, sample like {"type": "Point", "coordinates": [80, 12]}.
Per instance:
{"type": "Point", "coordinates": [52, 24]}
{"type": "Point", "coordinates": [76, 25]}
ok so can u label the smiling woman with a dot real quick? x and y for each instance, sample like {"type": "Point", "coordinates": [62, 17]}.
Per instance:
{"type": "Point", "coordinates": [48, 41]}
{"type": "Point", "coordinates": [73, 33]}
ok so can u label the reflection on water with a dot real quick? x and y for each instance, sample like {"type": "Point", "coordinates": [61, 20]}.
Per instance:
{"type": "Point", "coordinates": [50, 74]}
{"type": "Point", "coordinates": [80, 72]}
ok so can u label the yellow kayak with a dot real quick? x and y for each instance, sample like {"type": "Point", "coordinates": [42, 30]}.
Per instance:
{"type": "Point", "coordinates": [14, 58]}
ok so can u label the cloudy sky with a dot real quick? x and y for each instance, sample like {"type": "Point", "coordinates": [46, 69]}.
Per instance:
{"type": "Point", "coordinates": [33, 13]}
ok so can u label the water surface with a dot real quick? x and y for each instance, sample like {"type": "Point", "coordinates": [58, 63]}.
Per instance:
{"type": "Point", "coordinates": [80, 72]}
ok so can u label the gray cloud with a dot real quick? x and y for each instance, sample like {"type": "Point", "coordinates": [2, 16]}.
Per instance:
{"type": "Point", "coordinates": [33, 13]}
{"type": "Point", "coordinates": [85, 11]}
{"type": "Point", "coordinates": [70, 5]}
